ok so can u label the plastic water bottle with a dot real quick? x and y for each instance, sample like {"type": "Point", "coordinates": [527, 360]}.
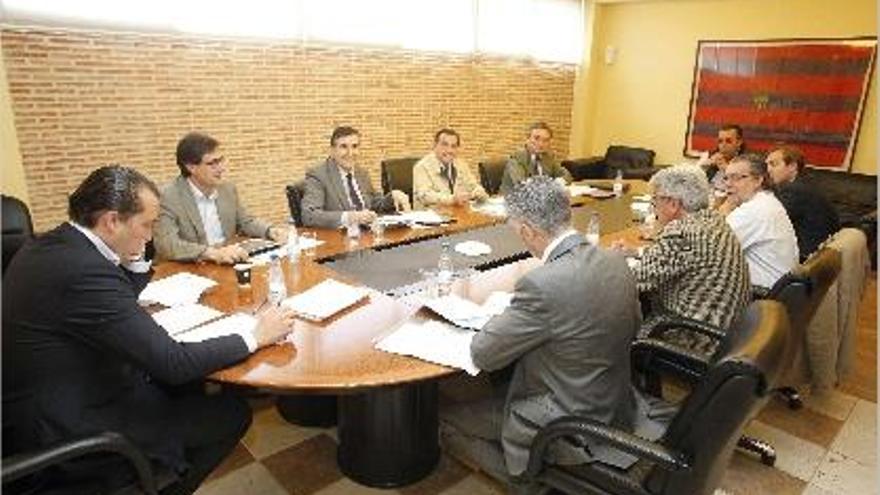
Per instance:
{"type": "Point", "coordinates": [618, 183]}
{"type": "Point", "coordinates": [292, 243]}
{"type": "Point", "coordinates": [277, 287]}
{"type": "Point", "coordinates": [445, 271]}
{"type": "Point", "coordinates": [593, 229]}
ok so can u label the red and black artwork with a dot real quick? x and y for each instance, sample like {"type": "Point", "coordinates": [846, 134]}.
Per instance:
{"type": "Point", "coordinates": [807, 93]}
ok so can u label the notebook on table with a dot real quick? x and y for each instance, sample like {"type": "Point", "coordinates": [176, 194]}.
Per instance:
{"type": "Point", "coordinates": [325, 299]}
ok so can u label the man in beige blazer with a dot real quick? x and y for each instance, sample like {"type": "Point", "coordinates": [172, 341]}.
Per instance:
{"type": "Point", "coordinates": [200, 212]}
{"type": "Point", "coordinates": [441, 179]}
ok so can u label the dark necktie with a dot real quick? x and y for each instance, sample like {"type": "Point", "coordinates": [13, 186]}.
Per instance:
{"type": "Point", "coordinates": [448, 172]}
{"type": "Point", "coordinates": [539, 170]}
{"type": "Point", "coordinates": [352, 193]}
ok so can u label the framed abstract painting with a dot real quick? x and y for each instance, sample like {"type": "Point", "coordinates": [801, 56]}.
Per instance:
{"type": "Point", "coordinates": [809, 93]}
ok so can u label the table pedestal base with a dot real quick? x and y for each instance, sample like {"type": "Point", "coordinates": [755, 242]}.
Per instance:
{"type": "Point", "coordinates": [388, 437]}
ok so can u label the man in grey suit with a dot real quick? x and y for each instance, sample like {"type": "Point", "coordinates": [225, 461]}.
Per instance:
{"type": "Point", "coordinates": [200, 212]}
{"type": "Point", "coordinates": [567, 333]}
{"type": "Point", "coordinates": [339, 192]}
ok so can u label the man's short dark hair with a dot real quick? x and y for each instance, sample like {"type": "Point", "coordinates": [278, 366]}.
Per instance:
{"type": "Point", "coordinates": [793, 154]}
{"type": "Point", "coordinates": [341, 132]}
{"type": "Point", "coordinates": [192, 148]}
{"type": "Point", "coordinates": [732, 127]}
{"type": "Point", "coordinates": [447, 132]}
{"type": "Point", "coordinates": [539, 125]}
{"type": "Point", "coordinates": [111, 188]}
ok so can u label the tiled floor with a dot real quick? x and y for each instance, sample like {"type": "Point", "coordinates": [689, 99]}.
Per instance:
{"type": "Point", "coordinates": [828, 447]}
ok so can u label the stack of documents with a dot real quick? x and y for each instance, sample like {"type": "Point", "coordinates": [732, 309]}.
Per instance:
{"type": "Point", "coordinates": [234, 324]}
{"type": "Point", "coordinates": [325, 299]}
{"type": "Point", "coordinates": [467, 314]}
{"type": "Point", "coordinates": [473, 248]}
{"type": "Point", "coordinates": [179, 319]}
{"type": "Point", "coordinates": [176, 290]}
{"type": "Point", "coordinates": [433, 341]}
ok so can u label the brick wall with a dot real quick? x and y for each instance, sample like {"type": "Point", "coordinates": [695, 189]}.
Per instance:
{"type": "Point", "coordinates": [86, 98]}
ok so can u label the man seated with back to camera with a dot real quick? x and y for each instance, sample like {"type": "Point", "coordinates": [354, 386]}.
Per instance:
{"type": "Point", "coordinates": [201, 212]}
{"type": "Point", "coordinates": [81, 356]}
{"type": "Point", "coordinates": [695, 267]}
{"type": "Point", "coordinates": [338, 192]}
{"type": "Point", "coordinates": [567, 333]}
{"type": "Point", "coordinates": [813, 217]}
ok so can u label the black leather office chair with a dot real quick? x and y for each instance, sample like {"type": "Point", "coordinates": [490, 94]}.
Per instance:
{"type": "Point", "coordinates": [635, 163]}
{"type": "Point", "coordinates": [295, 194]}
{"type": "Point", "coordinates": [397, 173]}
{"type": "Point", "coordinates": [491, 172]}
{"type": "Point", "coordinates": [691, 457]}
{"type": "Point", "coordinates": [17, 227]}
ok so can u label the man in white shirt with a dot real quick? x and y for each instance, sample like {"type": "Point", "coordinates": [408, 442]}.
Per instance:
{"type": "Point", "coordinates": [759, 221]}
{"type": "Point", "coordinates": [201, 213]}
{"type": "Point", "coordinates": [440, 178]}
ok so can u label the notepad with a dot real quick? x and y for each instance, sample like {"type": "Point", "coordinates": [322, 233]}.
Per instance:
{"type": "Point", "coordinates": [234, 324]}
{"type": "Point", "coordinates": [178, 289]}
{"type": "Point", "coordinates": [433, 341]}
{"type": "Point", "coordinates": [179, 319]}
{"type": "Point", "coordinates": [325, 299]}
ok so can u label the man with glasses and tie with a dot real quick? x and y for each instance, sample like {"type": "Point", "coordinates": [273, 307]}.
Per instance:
{"type": "Point", "coordinates": [201, 213]}
{"type": "Point", "coordinates": [536, 158]}
{"type": "Point", "coordinates": [338, 192]}
{"type": "Point", "coordinates": [440, 178]}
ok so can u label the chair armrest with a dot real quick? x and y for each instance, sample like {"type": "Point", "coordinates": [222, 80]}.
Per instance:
{"type": "Point", "coordinates": [20, 465]}
{"type": "Point", "coordinates": [670, 322]}
{"type": "Point", "coordinates": [651, 354]}
{"type": "Point", "coordinates": [627, 442]}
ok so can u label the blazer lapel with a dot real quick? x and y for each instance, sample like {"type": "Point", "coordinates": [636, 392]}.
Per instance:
{"type": "Point", "coordinates": [339, 188]}
{"type": "Point", "coordinates": [189, 206]}
{"type": "Point", "coordinates": [572, 241]}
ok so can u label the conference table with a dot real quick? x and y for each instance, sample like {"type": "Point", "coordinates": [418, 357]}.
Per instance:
{"type": "Point", "coordinates": [387, 403]}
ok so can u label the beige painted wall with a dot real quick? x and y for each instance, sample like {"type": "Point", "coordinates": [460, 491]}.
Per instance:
{"type": "Point", "coordinates": [642, 98]}
{"type": "Point", "coordinates": [11, 172]}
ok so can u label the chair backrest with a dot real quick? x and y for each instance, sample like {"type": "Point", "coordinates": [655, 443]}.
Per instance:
{"type": "Point", "coordinates": [626, 157]}
{"type": "Point", "coordinates": [17, 227]}
{"type": "Point", "coordinates": [710, 421]}
{"type": "Point", "coordinates": [397, 173]}
{"type": "Point", "coordinates": [295, 194]}
{"type": "Point", "coordinates": [491, 172]}
{"type": "Point", "coordinates": [586, 168]}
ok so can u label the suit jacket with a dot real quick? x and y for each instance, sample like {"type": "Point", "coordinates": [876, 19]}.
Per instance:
{"type": "Point", "coordinates": [326, 196]}
{"type": "Point", "coordinates": [430, 186]}
{"type": "Point", "coordinates": [80, 356]}
{"type": "Point", "coordinates": [519, 168]}
{"type": "Point", "coordinates": [811, 215]}
{"type": "Point", "coordinates": [568, 329]}
{"type": "Point", "coordinates": [180, 234]}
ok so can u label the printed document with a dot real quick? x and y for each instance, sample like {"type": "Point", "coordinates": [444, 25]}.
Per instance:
{"type": "Point", "coordinates": [176, 290]}
{"type": "Point", "coordinates": [433, 341]}
{"type": "Point", "coordinates": [234, 324]}
{"type": "Point", "coordinates": [325, 299]}
{"type": "Point", "coordinates": [178, 319]}
{"type": "Point", "coordinates": [467, 314]}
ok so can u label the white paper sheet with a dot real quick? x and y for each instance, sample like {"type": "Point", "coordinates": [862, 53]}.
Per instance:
{"type": "Point", "coordinates": [176, 290]}
{"type": "Point", "coordinates": [467, 314]}
{"type": "Point", "coordinates": [325, 299]}
{"type": "Point", "coordinates": [433, 341]}
{"type": "Point", "coordinates": [178, 319]}
{"type": "Point", "coordinates": [234, 324]}
{"type": "Point", "coordinates": [580, 190]}
{"type": "Point", "coordinates": [473, 248]}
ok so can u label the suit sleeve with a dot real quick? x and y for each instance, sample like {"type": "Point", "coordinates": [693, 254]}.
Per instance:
{"type": "Point", "coordinates": [103, 310]}
{"type": "Point", "coordinates": [313, 204]}
{"type": "Point", "coordinates": [521, 328]}
{"type": "Point", "coordinates": [246, 223]}
{"type": "Point", "coordinates": [557, 170]}
{"type": "Point", "coordinates": [166, 237]}
{"type": "Point", "coordinates": [467, 180]}
{"type": "Point", "coordinates": [514, 173]}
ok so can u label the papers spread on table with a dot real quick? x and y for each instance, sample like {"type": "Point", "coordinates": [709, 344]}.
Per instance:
{"type": "Point", "coordinates": [493, 206]}
{"type": "Point", "coordinates": [434, 341]}
{"type": "Point", "coordinates": [178, 319]}
{"type": "Point", "coordinates": [325, 299]}
{"type": "Point", "coordinates": [473, 248]}
{"type": "Point", "coordinates": [467, 314]}
{"type": "Point", "coordinates": [306, 243]}
{"type": "Point", "coordinates": [586, 190]}
{"type": "Point", "coordinates": [178, 289]}
{"type": "Point", "coordinates": [426, 217]}
{"type": "Point", "coordinates": [234, 324]}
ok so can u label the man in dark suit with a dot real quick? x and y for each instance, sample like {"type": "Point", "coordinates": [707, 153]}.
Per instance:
{"type": "Point", "coordinates": [813, 217]}
{"type": "Point", "coordinates": [536, 158]}
{"type": "Point", "coordinates": [338, 192]}
{"type": "Point", "coordinates": [80, 356]}
{"type": "Point", "coordinates": [567, 333]}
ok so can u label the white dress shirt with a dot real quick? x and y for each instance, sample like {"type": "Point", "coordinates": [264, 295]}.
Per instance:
{"type": "Point", "coordinates": [207, 206]}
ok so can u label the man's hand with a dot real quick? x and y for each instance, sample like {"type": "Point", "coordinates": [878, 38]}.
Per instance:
{"type": "Point", "coordinates": [273, 324]}
{"type": "Point", "coordinates": [278, 234]}
{"type": "Point", "coordinates": [362, 217]}
{"type": "Point", "coordinates": [461, 197]}
{"type": "Point", "coordinates": [401, 200]}
{"type": "Point", "coordinates": [729, 204]}
{"type": "Point", "coordinates": [226, 255]}
{"type": "Point", "coordinates": [718, 160]}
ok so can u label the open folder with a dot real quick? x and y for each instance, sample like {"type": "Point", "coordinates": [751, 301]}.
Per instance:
{"type": "Point", "coordinates": [325, 299]}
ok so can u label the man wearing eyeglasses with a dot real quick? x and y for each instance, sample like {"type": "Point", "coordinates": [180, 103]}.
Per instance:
{"type": "Point", "coordinates": [201, 212]}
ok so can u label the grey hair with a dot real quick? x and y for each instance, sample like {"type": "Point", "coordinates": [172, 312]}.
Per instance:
{"type": "Point", "coordinates": [540, 202]}
{"type": "Point", "coordinates": [757, 167]}
{"type": "Point", "coordinates": [686, 183]}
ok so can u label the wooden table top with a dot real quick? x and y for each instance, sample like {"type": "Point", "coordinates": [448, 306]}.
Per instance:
{"type": "Point", "coordinates": [337, 355]}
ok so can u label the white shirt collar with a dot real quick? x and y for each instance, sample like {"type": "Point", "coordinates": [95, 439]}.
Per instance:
{"type": "Point", "coordinates": [555, 242]}
{"type": "Point", "coordinates": [99, 243]}
{"type": "Point", "coordinates": [198, 192]}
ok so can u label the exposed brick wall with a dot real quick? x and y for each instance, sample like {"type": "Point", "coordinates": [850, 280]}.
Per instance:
{"type": "Point", "coordinates": [86, 98]}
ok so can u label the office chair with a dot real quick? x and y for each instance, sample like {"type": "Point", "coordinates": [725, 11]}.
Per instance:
{"type": "Point", "coordinates": [397, 173]}
{"type": "Point", "coordinates": [295, 193]}
{"type": "Point", "coordinates": [691, 457]}
{"type": "Point", "coordinates": [491, 172]}
{"type": "Point", "coordinates": [17, 227]}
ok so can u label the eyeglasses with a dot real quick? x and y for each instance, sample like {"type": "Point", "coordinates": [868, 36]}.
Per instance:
{"type": "Point", "coordinates": [657, 198]}
{"type": "Point", "coordinates": [727, 140]}
{"type": "Point", "coordinates": [736, 177]}
{"type": "Point", "coordinates": [215, 162]}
